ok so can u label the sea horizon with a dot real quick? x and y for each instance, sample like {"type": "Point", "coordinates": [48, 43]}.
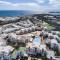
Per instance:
{"type": "Point", "coordinates": [15, 12]}
{"type": "Point", "coordinates": [20, 13]}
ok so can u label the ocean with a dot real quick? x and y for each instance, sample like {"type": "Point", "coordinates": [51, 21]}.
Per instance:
{"type": "Point", "coordinates": [14, 12]}
{"type": "Point", "coordinates": [19, 13]}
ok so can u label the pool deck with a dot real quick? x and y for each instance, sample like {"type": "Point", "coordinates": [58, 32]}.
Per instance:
{"type": "Point", "coordinates": [37, 33]}
{"type": "Point", "coordinates": [30, 44]}
{"type": "Point", "coordinates": [42, 40]}
{"type": "Point", "coordinates": [29, 58]}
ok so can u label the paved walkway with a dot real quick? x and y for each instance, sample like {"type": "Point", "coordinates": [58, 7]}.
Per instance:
{"type": "Point", "coordinates": [36, 33]}
{"type": "Point", "coordinates": [29, 58]}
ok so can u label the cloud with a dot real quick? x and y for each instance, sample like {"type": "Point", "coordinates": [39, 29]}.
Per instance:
{"type": "Point", "coordinates": [22, 6]}
{"type": "Point", "coordinates": [36, 6]}
{"type": "Point", "coordinates": [40, 1]}
{"type": "Point", "coordinates": [4, 3]}
{"type": "Point", "coordinates": [54, 2]}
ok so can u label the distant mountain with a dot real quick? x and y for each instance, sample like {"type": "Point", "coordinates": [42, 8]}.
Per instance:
{"type": "Point", "coordinates": [54, 12]}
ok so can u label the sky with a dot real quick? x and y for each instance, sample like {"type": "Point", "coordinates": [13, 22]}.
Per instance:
{"type": "Point", "coordinates": [32, 5]}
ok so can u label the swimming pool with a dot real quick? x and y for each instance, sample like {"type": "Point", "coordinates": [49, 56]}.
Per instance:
{"type": "Point", "coordinates": [37, 40]}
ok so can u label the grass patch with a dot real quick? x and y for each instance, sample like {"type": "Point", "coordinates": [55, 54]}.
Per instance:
{"type": "Point", "coordinates": [18, 49]}
{"type": "Point", "coordinates": [49, 27]}
{"type": "Point", "coordinates": [57, 54]}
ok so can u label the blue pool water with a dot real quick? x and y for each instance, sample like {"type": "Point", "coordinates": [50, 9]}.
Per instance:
{"type": "Point", "coordinates": [37, 40]}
